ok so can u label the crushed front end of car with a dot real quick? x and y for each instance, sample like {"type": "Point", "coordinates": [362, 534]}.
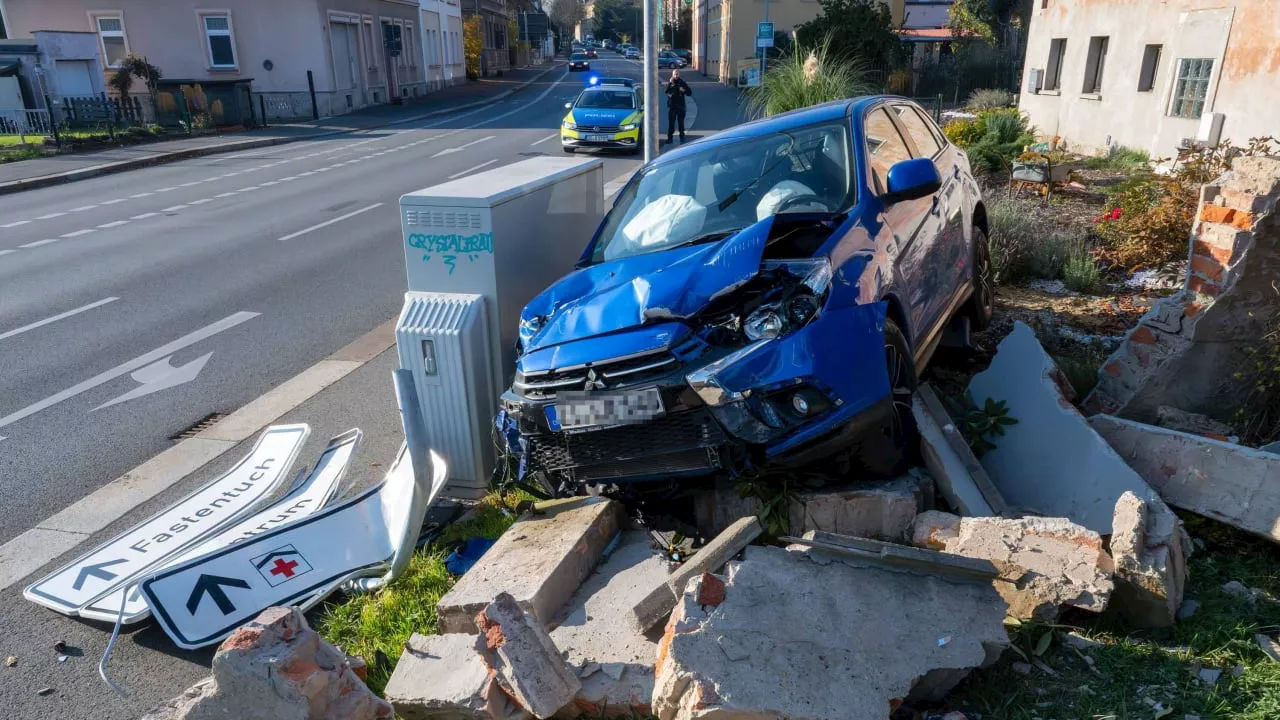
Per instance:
{"type": "Point", "coordinates": [715, 356]}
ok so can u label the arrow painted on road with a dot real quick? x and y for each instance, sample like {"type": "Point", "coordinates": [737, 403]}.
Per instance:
{"type": "Point", "coordinates": [213, 584]}
{"type": "Point", "coordinates": [95, 571]}
{"type": "Point", "coordinates": [160, 375]}
{"type": "Point", "coordinates": [460, 148]}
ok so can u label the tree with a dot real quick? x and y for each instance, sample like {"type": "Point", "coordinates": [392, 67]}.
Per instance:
{"type": "Point", "coordinates": [566, 14]}
{"type": "Point", "coordinates": [853, 30]}
{"type": "Point", "coordinates": [134, 66]}
{"type": "Point", "coordinates": [472, 45]}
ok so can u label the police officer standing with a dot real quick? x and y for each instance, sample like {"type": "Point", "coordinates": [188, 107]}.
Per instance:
{"type": "Point", "coordinates": [677, 89]}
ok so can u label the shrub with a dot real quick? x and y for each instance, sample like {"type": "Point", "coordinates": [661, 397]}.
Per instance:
{"type": "Point", "coordinates": [989, 99]}
{"type": "Point", "coordinates": [804, 79]}
{"type": "Point", "coordinates": [1258, 417]}
{"type": "Point", "coordinates": [1122, 159]}
{"type": "Point", "coordinates": [996, 138]}
{"type": "Point", "coordinates": [1047, 256]}
{"type": "Point", "coordinates": [964, 132]}
{"type": "Point", "coordinates": [1079, 270]}
{"type": "Point", "coordinates": [1013, 232]}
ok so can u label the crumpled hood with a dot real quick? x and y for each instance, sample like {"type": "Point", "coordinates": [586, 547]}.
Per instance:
{"type": "Point", "coordinates": [652, 287]}
{"type": "Point", "coordinates": [601, 116]}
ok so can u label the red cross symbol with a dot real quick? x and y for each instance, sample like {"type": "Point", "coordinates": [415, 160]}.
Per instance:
{"type": "Point", "coordinates": [284, 568]}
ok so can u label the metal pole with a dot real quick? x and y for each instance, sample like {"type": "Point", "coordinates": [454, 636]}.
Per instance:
{"type": "Point", "coordinates": [764, 52]}
{"type": "Point", "coordinates": [311, 88]}
{"type": "Point", "coordinates": [651, 108]}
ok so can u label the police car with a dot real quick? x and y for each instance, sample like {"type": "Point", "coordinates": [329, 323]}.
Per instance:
{"type": "Point", "coordinates": [607, 114]}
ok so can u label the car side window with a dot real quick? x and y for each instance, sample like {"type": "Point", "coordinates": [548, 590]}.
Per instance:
{"type": "Point", "coordinates": [885, 146]}
{"type": "Point", "coordinates": [926, 143]}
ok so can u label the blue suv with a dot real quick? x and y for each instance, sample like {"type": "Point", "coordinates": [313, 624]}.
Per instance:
{"type": "Point", "coordinates": [764, 297]}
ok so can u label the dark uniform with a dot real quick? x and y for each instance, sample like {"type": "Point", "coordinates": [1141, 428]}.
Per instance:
{"type": "Point", "coordinates": [677, 89]}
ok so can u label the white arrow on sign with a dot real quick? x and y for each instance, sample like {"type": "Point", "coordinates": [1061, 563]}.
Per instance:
{"type": "Point", "coordinates": [160, 375]}
{"type": "Point", "coordinates": [312, 495]}
{"type": "Point", "coordinates": [460, 148]}
{"type": "Point", "coordinates": [203, 600]}
{"type": "Point", "coordinates": [200, 515]}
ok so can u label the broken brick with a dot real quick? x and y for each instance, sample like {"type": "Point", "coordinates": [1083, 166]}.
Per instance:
{"type": "Point", "coordinates": [1200, 286]}
{"type": "Point", "coordinates": [710, 590]}
{"type": "Point", "coordinates": [1207, 267]}
{"type": "Point", "coordinates": [1143, 335]}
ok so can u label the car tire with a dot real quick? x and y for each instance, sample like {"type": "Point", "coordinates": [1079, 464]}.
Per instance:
{"type": "Point", "coordinates": [982, 305]}
{"type": "Point", "coordinates": [567, 149]}
{"type": "Point", "coordinates": [889, 450]}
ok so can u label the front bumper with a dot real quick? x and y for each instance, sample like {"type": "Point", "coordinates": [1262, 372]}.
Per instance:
{"type": "Point", "coordinates": [722, 407]}
{"type": "Point", "coordinates": [626, 140]}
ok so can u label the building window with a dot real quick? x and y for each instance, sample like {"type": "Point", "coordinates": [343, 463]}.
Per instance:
{"type": "Point", "coordinates": [111, 36]}
{"type": "Point", "coordinates": [1191, 88]}
{"type": "Point", "coordinates": [217, 32]}
{"type": "Point", "coordinates": [371, 48]}
{"type": "Point", "coordinates": [1093, 68]}
{"type": "Point", "coordinates": [1053, 74]}
{"type": "Point", "coordinates": [1150, 64]}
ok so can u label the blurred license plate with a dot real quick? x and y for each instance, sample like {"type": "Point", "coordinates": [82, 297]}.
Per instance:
{"type": "Point", "coordinates": [576, 410]}
{"type": "Point", "coordinates": [599, 138]}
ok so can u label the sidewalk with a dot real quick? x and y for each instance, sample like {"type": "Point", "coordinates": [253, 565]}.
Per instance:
{"type": "Point", "coordinates": [41, 172]}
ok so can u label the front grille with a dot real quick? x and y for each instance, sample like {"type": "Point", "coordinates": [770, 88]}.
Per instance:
{"type": "Point", "coordinates": [685, 438]}
{"type": "Point", "coordinates": [610, 129]}
{"type": "Point", "coordinates": [682, 461]}
{"type": "Point", "coordinates": [603, 375]}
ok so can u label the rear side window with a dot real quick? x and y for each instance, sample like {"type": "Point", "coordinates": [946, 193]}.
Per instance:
{"type": "Point", "coordinates": [919, 131]}
{"type": "Point", "coordinates": [885, 146]}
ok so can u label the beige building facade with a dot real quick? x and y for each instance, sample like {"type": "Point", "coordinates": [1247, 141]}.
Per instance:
{"type": "Point", "coordinates": [1152, 75]}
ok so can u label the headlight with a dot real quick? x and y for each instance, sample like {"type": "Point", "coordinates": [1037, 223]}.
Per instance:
{"type": "Point", "coordinates": [628, 126]}
{"type": "Point", "coordinates": [797, 306]}
{"type": "Point", "coordinates": [569, 125]}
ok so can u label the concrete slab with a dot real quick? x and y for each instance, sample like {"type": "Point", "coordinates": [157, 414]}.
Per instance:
{"type": "Point", "coordinates": [1051, 462]}
{"type": "Point", "coordinates": [1150, 563]}
{"type": "Point", "coordinates": [523, 659]}
{"type": "Point", "coordinates": [1229, 483]}
{"type": "Point", "coordinates": [883, 510]}
{"type": "Point", "coordinates": [855, 644]}
{"type": "Point", "coordinates": [861, 552]}
{"type": "Point", "coordinates": [442, 677]}
{"type": "Point", "coordinates": [613, 660]}
{"type": "Point", "coordinates": [958, 474]}
{"type": "Point", "coordinates": [540, 561]}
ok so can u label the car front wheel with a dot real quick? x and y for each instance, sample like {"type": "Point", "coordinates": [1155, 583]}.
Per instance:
{"type": "Point", "coordinates": [983, 304]}
{"type": "Point", "coordinates": [890, 449]}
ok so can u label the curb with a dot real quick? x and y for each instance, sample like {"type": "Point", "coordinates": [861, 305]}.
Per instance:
{"type": "Point", "coordinates": [64, 530]}
{"type": "Point", "coordinates": [16, 186]}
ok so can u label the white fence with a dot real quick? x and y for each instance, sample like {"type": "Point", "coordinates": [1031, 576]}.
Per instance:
{"type": "Point", "coordinates": [25, 122]}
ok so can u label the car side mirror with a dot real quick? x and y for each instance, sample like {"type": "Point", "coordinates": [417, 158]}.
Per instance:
{"type": "Point", "coordinates": [912, 179]}
{"type": "Point", "coordinates": [568, 106]}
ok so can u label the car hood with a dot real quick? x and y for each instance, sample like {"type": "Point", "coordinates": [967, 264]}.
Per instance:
{"type": "Point", "coordinates": [641, 289]}
{"type": "Point", "coordinates": [602, 116]}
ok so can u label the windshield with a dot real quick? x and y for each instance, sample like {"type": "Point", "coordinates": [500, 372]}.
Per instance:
{"type": "Point", "coordinates": [710, 194]}
{"type": "Point", "coordinates": [608, 99]}
{"type": "Point", "coordinates": [577, 56]}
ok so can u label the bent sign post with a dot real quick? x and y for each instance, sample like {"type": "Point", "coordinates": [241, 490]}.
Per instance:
{"type": "Point", "coordinates": [196, 517]}
{"type": "Point", "coordinates": [314, 493]}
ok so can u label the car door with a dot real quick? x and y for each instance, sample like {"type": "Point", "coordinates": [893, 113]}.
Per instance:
{"type": "Point", "coordinates": [909, 221]}
{"type": "Point", "coordinates": [946, 260]}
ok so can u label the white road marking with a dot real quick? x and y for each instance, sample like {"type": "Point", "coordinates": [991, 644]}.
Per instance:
{"type": "Point", "coordinates": [82, 208]}
{"type": "Point", "coordinates": [197, 182]}
{"type": "Point", "coordinates": [247, 189]}
{"type": "Point", "coordinates": [549, 137]}
{"type": "Point", "coordinates": [51, 216]}
{"type": "Point", "coordinates": [6, 252]}
{"type": "Point", "coordinates": [142, 360]}
{"type": "Point", "coordinates": [144, 216]}
{"type": "Point", "coordinates": [231, 174]}
{"type": "Point", "coordinates": [56, 318]}
{"type": "Point", "coordinates": [38, 243]}
{"type": "Point", "coordinates": [226, 194]}
{"type": "Point", "coordinates": [201, 201]}
{"type": "Point", "coordinates": [269, 183]}
{"type": "Point", "coordinates": [327, 223]}
{"type": "Point", "coordinates": [261, 167]}
{"type": "Point", "coordinates": [78, 233]}
{"type": "Point", "coordinates": [174, 208]}
{"type": "Point", "coordinates": [291, 178]}
{"type": "Point", "coordinates": [15, 224]}
{"type": "Point", "coordinates": [307, 173]}
{"type": "Point", "coordinates": [469, 170]}
{"type": "Point", "coordinates": [168, 189]}
{"type": "Point", "coordinates": [113, 202]}
{"type": "Point", "coordinates": [117, 223]}
{"type": "Point", "coordinates": [141, 195]}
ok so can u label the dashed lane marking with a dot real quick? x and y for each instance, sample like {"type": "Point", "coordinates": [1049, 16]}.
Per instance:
{"type": "Point", "coordinates": [113, 202]}
{"type": "Point", "coordinates": [327, 223]}
{"type": "Point", "coordinates": [174, 208]}
{"type": "Point", "coordinates": [455, 176]}
{"type": "Point", "coordinates": [15, 224]}
{"type": "Point", "coordinates": [201, 201]}
{"type": "Point", "coordinates": [140, 195]}
{"type": "Point", "coordinates": [51, 216]}
{"type": "Point", "coordinates": [38, 243]}
{"type": "Point", "coordinates": [78, 233]}
{"type": "Point", "coordinates": [82, 208]}
{"type": "Point", "coordinates": [225, 194]}
{"type": "Point", "coordinates": [144, 216]}
{"type": "Point", "coordinates": [116, 223]}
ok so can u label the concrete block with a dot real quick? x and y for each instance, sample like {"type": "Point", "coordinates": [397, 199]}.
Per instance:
{"type": "Point", "coordinates": [1273, 448]}
{"type": "Point", "coordinates": [1189, 422]}
{"type": "Point", "coordinates": [658, 603]}
{"type": "Point", "coordinates": [720, 505]}
{"type": "Point", "coordinates": [861, 552]}
{"type": "Point", "coordinates": [1229, 483]}
{"type": "Point", "coordinates": [855, 644]}
{"type": "Point", "coordinates": [614, 661]}
{"type": "Point", "coordinates": [442, 677]}
{"type": "Point", "coordinates": [934, 528]}
{"type": "Point", "coordinates": [960, 477]}
{"type": "Point", "coordinates": [1051, 462]}
{"type": "Point", "coordinates": [883, 510]}
{"type": "Point", "coordinates": [540, 561]}
{"type": "Point", "coordinates": [1150, 566]}
{"type": "Point", "coordinates": [523, 659]}
{"type": "Point", "coordinates": [1049, 562]}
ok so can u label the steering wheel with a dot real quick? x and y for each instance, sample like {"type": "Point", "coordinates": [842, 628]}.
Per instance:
{"type": "Point", "coordinates": [794, 200]}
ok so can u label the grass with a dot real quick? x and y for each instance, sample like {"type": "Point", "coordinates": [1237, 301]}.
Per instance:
{"type": "Point", "coordinates": [1131, 671]}
{"type": "Point", "coordinates": [1080, 271]}
{"type": "Point", "coordinates": [11, 140]}
{"type": "Point", "coordinates": [375, 626]}
{"type": "Point", "coordinates": [1123, 159]}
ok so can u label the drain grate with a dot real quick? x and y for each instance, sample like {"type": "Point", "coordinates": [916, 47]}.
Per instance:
{"type": "Point", "coordinates": [204, 424]}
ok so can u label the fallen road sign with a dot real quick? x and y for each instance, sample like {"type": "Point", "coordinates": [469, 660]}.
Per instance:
{"type": "Point", "coordinates": [203, 600]}
{"type": "Point", "coordinates": [200, 515]}
{"type": "Point", "coordinates": [314, 493]}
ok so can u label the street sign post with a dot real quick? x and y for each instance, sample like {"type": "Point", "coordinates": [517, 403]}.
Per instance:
{"type": "Point", "coordinates": [200, 515]}
{"type": "Point", "coordinates": [201, 601]}
{"type": "Point", "coordinates": [312, 495]}
{"type": "Point", "coordinates": [764, 35]}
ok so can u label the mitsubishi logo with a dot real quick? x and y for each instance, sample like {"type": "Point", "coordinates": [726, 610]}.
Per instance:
{"type": "Point", "coordinates": [593, 382]}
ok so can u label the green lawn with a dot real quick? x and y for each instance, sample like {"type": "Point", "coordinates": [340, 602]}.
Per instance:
{"type": "Point", "coordinates": [7, 140]}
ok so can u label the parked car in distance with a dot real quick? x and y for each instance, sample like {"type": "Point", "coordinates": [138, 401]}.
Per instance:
{"type": "Point", "coordinates": [764, 297]}
{"type": "Point", "coordinates": [578, 61]}
{"type": "Point", "coordinates": [668, 59]}
{"type": "Point", "coordinates": [633, 53]}
{"type": "Point", "coordinates": [686, 55]}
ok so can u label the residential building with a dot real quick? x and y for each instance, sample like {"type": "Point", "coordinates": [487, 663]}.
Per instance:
{"type": "Point", "coordinates": [494, 57]}
{"type": "Point", "coordinates": [352, 52]}
{"type": "Point", "coordinates": [1152, 75]}
{"type": "Point", "coordinates": [441, 24]}
{"type": "Point", "coordinates": [49, 64]}
{"type": "Point", "coordinates": [724, 31]}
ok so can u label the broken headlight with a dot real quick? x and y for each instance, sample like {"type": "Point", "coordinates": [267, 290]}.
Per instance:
{"type": "Point", "coordinates": [804, 285]}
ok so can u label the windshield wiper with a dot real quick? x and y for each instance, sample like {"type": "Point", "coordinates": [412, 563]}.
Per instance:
{"type": "Point", "coordinates": [706, 238]}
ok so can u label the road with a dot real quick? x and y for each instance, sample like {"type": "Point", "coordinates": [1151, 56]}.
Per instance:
{"type": "Point", "coordinates": [134, 306]}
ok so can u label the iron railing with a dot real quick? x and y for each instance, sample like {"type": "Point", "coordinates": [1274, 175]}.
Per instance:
{"type": "Point", "coordinates": [22, 122]}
